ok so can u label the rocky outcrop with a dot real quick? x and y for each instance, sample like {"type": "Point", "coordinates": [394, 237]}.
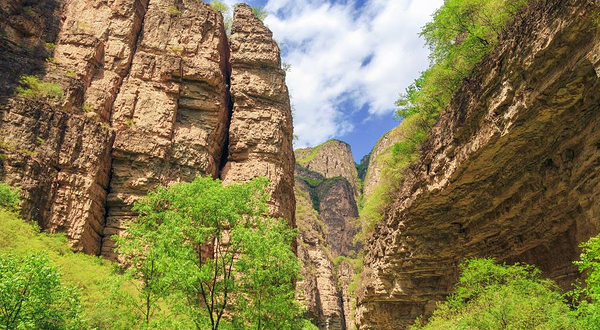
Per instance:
{"type": "Point", "coordinates": [331, 159]}
{"type": "Point", "coordinates": [374, 176]}
{"type": "Point", "coordinates": [326, 214]}
{"type": "Point", "coordinates": [510, 170]}
{"type": "Point", "coordinates": [140, 98]}
{"type": "Point", "coordinates": [260, 134]}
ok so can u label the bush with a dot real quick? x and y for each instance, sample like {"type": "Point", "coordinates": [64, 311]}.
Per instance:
{"type": "Point", "coordinates": [9, 197]}
{"type": "Point", "coordinates": [494, 296]}
{"type": "Point", "coordinates": [32, 295]}
{"type": "Point", "coordinates": [32, 86]}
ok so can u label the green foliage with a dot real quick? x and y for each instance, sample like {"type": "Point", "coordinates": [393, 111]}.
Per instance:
{"type": "Point", "coordinates": [9, 197]}
{"type": "Point", "coordinates": [88, 273]}
{"type": "Point", "coordinates": [212, 253]}
{"type": "Point", "coordinates": [219, 6]}
{"type": "Point", "coordinates": [312, 182]}
{"type": "Point", "coordinates": [32, 295]}
{"type": "Point", "coordinates": [461, 33]}
{"type": "Point", "coordinates": [588, 298]}
{"type": "Point", "coordinates": [224, 9]}
{"type": "Point", "coordinates": [260, 13]}
{"type": "Point", "coordinates": [173, 10]}
{"type": "Point", "coordinates": [32, 86]}
{"type": "Point", "coordinates": [493, 296]}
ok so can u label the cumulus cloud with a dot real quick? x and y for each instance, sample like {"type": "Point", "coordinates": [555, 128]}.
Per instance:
{"type": "Point", "coordinates": [346, 56]}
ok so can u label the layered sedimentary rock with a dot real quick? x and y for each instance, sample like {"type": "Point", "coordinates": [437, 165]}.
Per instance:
{"type": "Point", "coordinates": [326, 216]}
{"type": "Point", "coordinates": [171, 114]}
{"type": "Point", "coordinates": [260, 133]}
{"type": "Point", "coordinates": [141, 98]}
{"type": "Point", "coordinates": [510, 171]}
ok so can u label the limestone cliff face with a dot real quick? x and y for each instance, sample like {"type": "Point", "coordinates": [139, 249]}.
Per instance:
{"type": "Point", "coordinates": [260, 135]}
{"type": "Point", "coordinates": [325, 215]}
{"type": "Point", "coordinates": [146, 102]}
{"type": "Point", "coordinates": [510, 170]}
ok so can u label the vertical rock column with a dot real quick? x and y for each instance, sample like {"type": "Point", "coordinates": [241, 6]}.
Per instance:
{"type": "Point", "coordinates": [172, 111]}
{"type": "Point", "coordinates": [92, 57]}
{"type": "Point", "coordinates": [260, 134]}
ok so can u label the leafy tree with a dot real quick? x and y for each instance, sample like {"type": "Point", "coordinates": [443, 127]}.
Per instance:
{"type": "Point", "coordinates": [493, 296]}
{"type": "Point", "coordinates": [33, 297]}
{"type": "Point", "coordinates": [216, 255]}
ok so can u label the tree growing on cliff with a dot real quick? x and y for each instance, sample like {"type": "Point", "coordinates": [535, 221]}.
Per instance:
{"type": "Point", "coordinates": [218, 255]}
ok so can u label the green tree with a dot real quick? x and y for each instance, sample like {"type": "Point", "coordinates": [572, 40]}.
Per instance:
{"type": "Point", "coordinates": [213, 245]}
{"type": "Point", "coordinates": [493, 296]}
{"type": "Point", "coordinates": [33, 297]}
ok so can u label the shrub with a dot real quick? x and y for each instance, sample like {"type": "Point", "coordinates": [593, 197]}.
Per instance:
{"type": "Point", "coordinates": [260, 13]}
{"type": "Point", "coordinates": [494, 296]}
{"type": "Point", "coordinates": [9, 197]}
{"type": "Point", "coordinates": [32, 86]}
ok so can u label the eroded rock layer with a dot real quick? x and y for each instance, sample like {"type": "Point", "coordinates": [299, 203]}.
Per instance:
{"type": "Point", "coordinates": [511, 170]}
{"type": "Point", "coordinates": [260, 133]}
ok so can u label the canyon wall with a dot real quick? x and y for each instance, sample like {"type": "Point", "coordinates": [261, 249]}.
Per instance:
{"type": "Point", "coordinates": [131, 95]}
{"type": "Point", "coordinates": [326, 216]}
{"type": "Point", "coordinates": [511, 170]}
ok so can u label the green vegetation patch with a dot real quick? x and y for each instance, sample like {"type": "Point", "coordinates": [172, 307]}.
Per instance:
{"type": "Point", "coordinates": [489, 295]}
{"type": "Point", "coordinates": [33, 87]}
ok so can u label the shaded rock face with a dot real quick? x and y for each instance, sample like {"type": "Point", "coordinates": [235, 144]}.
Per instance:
{"type": "Point", "coordinates": [325, 215]}
{"type": "Point", "coordinates": [510, 171]}
{"type": "Point", "coordinates": [146, 102]}
{"type": "Point", "coordinates": [260, 133]}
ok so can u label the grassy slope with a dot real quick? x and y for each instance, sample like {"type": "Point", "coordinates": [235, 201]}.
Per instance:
{"type": "Point", "coordinates": [87, 272]}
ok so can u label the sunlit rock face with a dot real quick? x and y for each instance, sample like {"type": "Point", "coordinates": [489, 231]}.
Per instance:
{"type": "Point", "coordinates": [146, 101]}
{"type": "Point", "coordinates": [510, 171]}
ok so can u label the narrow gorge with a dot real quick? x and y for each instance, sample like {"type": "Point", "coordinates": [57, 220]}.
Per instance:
{"type": "Point", "coordinates": [126, 96]}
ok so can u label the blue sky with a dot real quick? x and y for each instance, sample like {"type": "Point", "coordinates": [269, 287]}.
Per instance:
{"type": "Point", "coordinates": [350, 59]}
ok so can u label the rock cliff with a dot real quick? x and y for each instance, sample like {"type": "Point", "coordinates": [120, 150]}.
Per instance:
{"type": "Point", "coordinates": [510, 170]}
{"type": "Point", "coordinates": [325, 215]}
{"type": "Point", "coordinates": [130, 95]}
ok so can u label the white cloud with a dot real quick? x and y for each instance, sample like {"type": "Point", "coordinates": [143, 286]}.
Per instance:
{"type": "Point", "coordinates": [327, 43]}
